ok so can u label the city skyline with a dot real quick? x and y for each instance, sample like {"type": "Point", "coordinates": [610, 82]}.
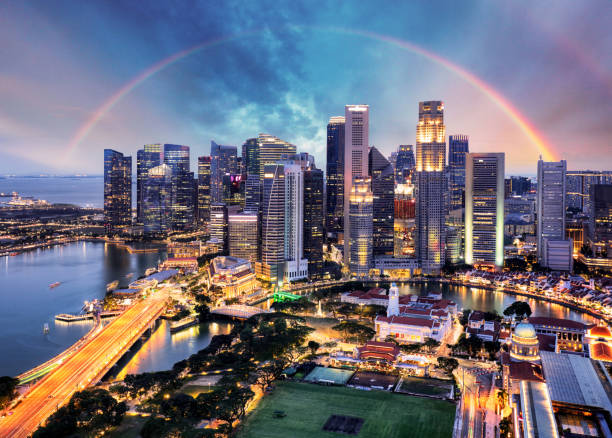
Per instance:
{"type": "Point", "coordinates": [555, 94]}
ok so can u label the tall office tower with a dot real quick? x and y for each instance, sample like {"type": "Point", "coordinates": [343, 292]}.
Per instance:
{"type": "Point", "coordinates": [117, 191]}
{"type": "Point", "coordinates": [296, 266]}
{"type": "Point", "coordinates": [550, 203]}
{"type": "Point", "coordinates": [404, 163]}
{"type": "Point", "coordinates": [233, 189]}
{"type": "Point", "coordinates": [218, 224]}
{"type": "Point", "coordinates": [273, 223]}
{"type": "Point", "coordinates": [361, 205]}
{"type": "Point", "coordinates": [243, 231]}
{"type": "Point", "coordinates": [579, 188]}
{"type": "Point", "coordinates": [146, 158]}
{"type": "Point", "coordinates": [458, 147]}
{"type": "Point", "coordinates": [431, 186]}
{"type": "Point", "coordinates": [335, 179]}
{"type": "Point", "coordinates": [484, 209]}
{"type": "Point", "coordinates": [383, 190]}
{"type": "Point", "coordinates": [250, 156]}
{"type": "Point", "coordinates": [252, 193]}
{"type": "Point", "coordinates": [157, 201]}
{"type": "Point", "coordinates": [313, 221]}
{"type": "Point", "coordinates": [177, 158]}
{"type": "Point", "coordinates": [356, 141]}
{"type": "Point", "coordinates": [404, 222]}
{"type": "Point", "coordinates": [519, 185]}
{"type": "Point", "coordinates": [600, 228]}
{"type": "Point", "coordinates": [224, 161]}
{"type": "Point", "coordinates": [271, 149]}
{"type": "Point", "coordinates": [204, 189]}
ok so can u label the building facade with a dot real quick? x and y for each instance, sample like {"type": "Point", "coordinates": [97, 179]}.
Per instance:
{"type": "Point", "coordinates": [484, 209]}
{"type": "Point", "coordinates": [183, 208]}
{"type": "Point", "coordinates": [147, 158]}
{"type": "Point", "coordinates": [458, 147]}
{"type": "Point", "coordinates": [243, 236]}
{"type": "Point", "coordinates": [204, 197]}
{"type": "Point", "coordinates": [356, 141]}
{"type": "Point", "coordinates": [218, 225]}
{"type": "Point", "coordinates": [431, 186]}
{"type": "Point", "coordinates": [550, 203]}
{"type": "Point", "coordinates": [271, 150]}
{"type": "Point", "coordinates": [404, 163]}
{"type": "Point", "coordinates": [224, 161]}
{"type": "Point", "coordinates": [296, 266]}
{"type": "Point", "coordinates": [382, 176]}
{"type": "Point", "coordinates": [157, 201]}
{"type": "Point", "coordinates": [313, 221]}
{"type": "Point", "coordinates": [361, 209]}
{"type": "Point", "coordinates": [117, 191]}
{"type": "Point", "coordinates": [273, 223]}
{"type": "Point", "coordinates": [335, 176]}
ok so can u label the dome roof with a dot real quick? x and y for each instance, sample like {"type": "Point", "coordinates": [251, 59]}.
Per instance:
{"type": "Point", "coordinates": [525, 330]}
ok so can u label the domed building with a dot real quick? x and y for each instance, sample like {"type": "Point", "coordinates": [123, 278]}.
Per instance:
{"type": "Point", "coordinates": [525, 344]}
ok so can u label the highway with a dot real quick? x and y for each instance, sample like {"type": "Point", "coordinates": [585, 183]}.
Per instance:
{"type": "Point", "coordinates": [82, 368]}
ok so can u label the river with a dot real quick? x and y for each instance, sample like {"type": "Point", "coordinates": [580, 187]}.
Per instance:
{"type": "Point", "coordinates": [84, 269]}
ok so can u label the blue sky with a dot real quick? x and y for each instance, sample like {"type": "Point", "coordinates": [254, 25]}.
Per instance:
{"type": "Point", "coordinates": [291, 71]}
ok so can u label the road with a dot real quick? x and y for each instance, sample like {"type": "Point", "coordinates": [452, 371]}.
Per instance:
{"type": "Point", "coordinates": [82, 368]}
{"type": "Point", "coordinates": [478, 401]}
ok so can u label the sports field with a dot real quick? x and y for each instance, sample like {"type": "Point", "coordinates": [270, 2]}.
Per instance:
{"type": "Point", "coordinates": [432, 387]}
{"type": "Point", "coordinates": [307, 408]}
{"type": "Point", "coordinates": [329, 375]}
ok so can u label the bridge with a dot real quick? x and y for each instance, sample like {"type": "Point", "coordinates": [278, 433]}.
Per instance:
{"type": "Point", "coordinates": [240, 311]}
{"type": "Point", "coordinates": [82, 368]}
{"type": "Point", "coordinates": [280, 296]}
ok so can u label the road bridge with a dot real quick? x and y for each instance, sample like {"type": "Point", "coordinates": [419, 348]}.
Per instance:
{"type": "Point", "coordinates": [240, 311]}
{"type": "Point", "coordinates": [83, 367]}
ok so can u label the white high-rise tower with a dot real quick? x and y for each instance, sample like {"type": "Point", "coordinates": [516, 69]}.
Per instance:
{"type": "Point", "coordinates": [393, 307]}
{"type": "Point", "coordinates": [356, 140]}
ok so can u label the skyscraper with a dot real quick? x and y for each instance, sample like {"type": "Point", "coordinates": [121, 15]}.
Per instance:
{"type": "Point", "coordinates": [335, 175]}
{"type": "Point", "coordinates": [313, 221]}
{"type": "Point", "coordinates": [243, 231]}
{"type": "Point", "coordinates": [157, 200]}
{"type": "Point", "coordinates": [177, 158]}
{"type": "Point", "coordinates": [458, 147]}
{"type": "Point", "coordinates": [550, 203]}
{"type": "Point", "coordinates": [382, 177]}
{"type": "Point", "coordinates": [431, 186]}
{"type": "Point", "coordinates": [204, 189]}
{"type": "Point", "coordinates": [273, 223]}
{"type": "Point", "coordinates": [484, 209]}
{"type": "Point", "coordinates": [404, 163]}
{"type": "Point", "coordinates": [296, 266]}
{"type": "Point", "coordinates": [600, 227]}
{"type": "Point", "coordinates": [356, 141]}
{"type": "Point", "coordinates": [224, 161]}
{"type": "Point", "coordinates": [271, 149]}
{"type": "Point", "coordinates": [146, 158]}
{"type": "Point", "coordinates": [252, 193]}
{"type": "Point", "coordinates": [360, 218]}
{"type": "Point", "coordinates": [250, 156]}
{"type": "Point", "coordinates": [578, 187]}
{"type": "Point", "coordinates": [218, 224]}
{"type": "Point", "coordinates": [117, 191]}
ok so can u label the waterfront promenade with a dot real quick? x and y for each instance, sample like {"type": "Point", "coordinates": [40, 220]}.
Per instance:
{"type": "Point", "coordinates": [82, 368]}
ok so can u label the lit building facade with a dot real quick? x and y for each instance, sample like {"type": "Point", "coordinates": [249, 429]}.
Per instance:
{"type": "Point", "coordinates": [313, 221]}
{"type": "Point", "coordinates": [404, 222]}
{"type": "Point", "coordinates": [271, 149]}
{"type": "Point", "coordinates": [600, 227]}
{"type": "Point", "coordinates": [578, 186]}
{"type": "Point", "coordinates": [117, 191]}
{"type": "Point", "coordinates": [361, 209]}
{"type": "Point", "coordinates": [252, 193]}
{"type": "Point", "coordinates": [273, 223]}
{"type": "Point", "coordinates": [382, 176]}
{"type": "Point", "coordinates": [550, 203]}
{"type": "Point", "coordinates": [147, 158]}
{"type": "Point", "coordinates": [335, 175]}
{"type": "Point", "coordinates": [356, 141]}
{"type": "Point", "coordinates": [250, 156]}
{"type": "Point", "coordinates": [431, 186]}
{"type": "Point", "coordinates": [296, 266]}
{"type": "Point", "coordinates": [404, 163]}
{"type": "Point", "coordinates": [458, 147]}
{"type": "Point", "coordinates": [484, 209]}
{"type": "Point", "coordinates": [204, 198]}
{"type": "Point", "coordinates": [218, 224]}
{"type": "Point", "coordinates": [183, 208]}
{"type": "Point", "coordinates": [244, 236]}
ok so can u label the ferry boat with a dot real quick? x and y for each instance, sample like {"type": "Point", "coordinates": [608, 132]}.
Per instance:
{"type": "Point", "coordinates": [112, 285]}
{"type": "Point", "coordinates": [189, 321]}
{"type": "Point", "coordinates": [130, 275]}
{"type": "Point", "coordinates": [13, 254]}
{"type": "Point", "coordinates": [150, 271]}
{"type": "Point", "coordinates": [46, 328]}
{"type": "Point", "coordinates": [56, 284]}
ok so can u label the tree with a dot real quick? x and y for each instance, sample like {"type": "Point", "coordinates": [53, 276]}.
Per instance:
{"type": "Point", "coordinates": [233, 406]}
{"type": "Point", "coordinates": [353, 331]}
{"type": "Point", "coordinates": [269, 372]}
{"type": "Point", "coordinates": [314, 346]}
{"type": "Point", "coordinates": [430, 344]}
{"type": "Point", "coordinates": [203, 312]}
{"type": "Point", "coordinates": [520, 310]}
{"type": "Point", "coordinates": [7, 390]}
{"type": "Point", "coordinates": [448, 364]}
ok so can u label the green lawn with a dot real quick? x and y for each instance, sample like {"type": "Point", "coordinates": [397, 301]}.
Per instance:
{"type": "Point", "coordinates": [435, 387]}
{"type": "Point", "coordinates": [129, 427]}
{"type": "Point", "coordinates": [385, 414]}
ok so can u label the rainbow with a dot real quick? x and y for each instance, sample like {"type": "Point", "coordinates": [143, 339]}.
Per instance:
{"type": "Point", "coordinates": [494, 96]}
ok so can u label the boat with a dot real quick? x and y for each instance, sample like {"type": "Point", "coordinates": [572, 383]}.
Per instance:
{"type": "Point", "coordinates": [13, 254]}
{"type": "Point", "coordinates": [130, 275]}
{"type": "Point", "coordinates": [56, 284]}
{"type": "Point", "coordinates": [46, 328]}
{"type": "Point", "coordinates": [150, 271]}
{"type": "Point", "coordinates": [112, 285]}
{"type": "Point", "coordinates": [189, 321]}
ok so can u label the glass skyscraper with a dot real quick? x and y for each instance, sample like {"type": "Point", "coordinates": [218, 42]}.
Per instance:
{"type": "Point", "coordinates": [458, 147]}
{"type": "Point", "coordinates": [550, 202]}
{"type": "Point", "coordinates": [117, 191]}
{"type": "Point", "coordinates": [224, 161]}
{"type": "Point", "coordinates": [250, 156]}
{"type": "Point", "coordinates": [271, 149]}
{"type": "Point", "coordinates": [431, 186]}
{"type": "Point", "coordinates": [177, 158]}
{"type": "Point", "coordinates": [273, 223]}
{"type": "Point", "coordinates": [360, 217]}
{"type": "Point", "coordinates": [404, 163]}
{"type": "Point", "coordinates": [157, 200]}
{"type": "Point", "coordinates": [146, 158]}
{"type": "Point", "coordinates": [383, 190]}
{"type": "Point", "coordinates": [204, 189]}
{"type": "Point", "coordinates": [335, 178]}
{"type": "Point", "coordinates": [313, 221]}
